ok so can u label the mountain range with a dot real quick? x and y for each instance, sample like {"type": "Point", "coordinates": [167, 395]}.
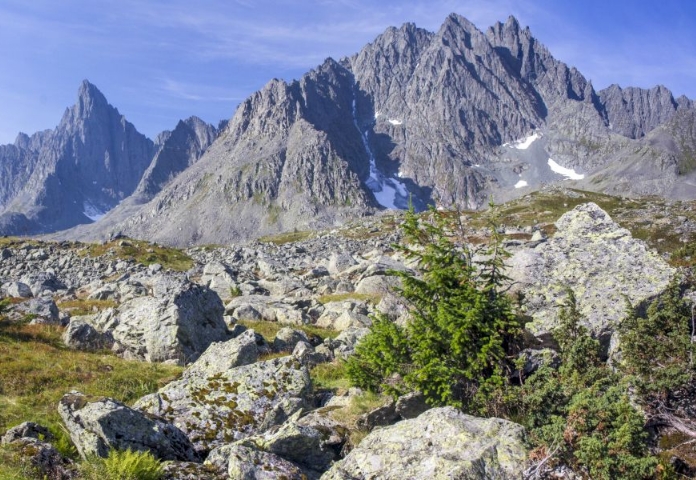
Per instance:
{"type": "Point", "coordinates": [446, 118]}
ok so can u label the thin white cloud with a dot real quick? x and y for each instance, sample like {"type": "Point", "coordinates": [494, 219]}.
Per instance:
{"type": "Point", "coordinates": [197, 92]}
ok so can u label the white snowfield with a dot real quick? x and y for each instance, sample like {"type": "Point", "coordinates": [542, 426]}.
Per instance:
{"type": "Point", "coordinates": [569, 173]}
{"type": "Point", "coordinates": [521, 183]}
{"type": "Point", "coordinates": [524, 143]}
{"type": "Point", "coordinates": [92, 212]}
{"type": "Point", "coordinates": [395, 122]}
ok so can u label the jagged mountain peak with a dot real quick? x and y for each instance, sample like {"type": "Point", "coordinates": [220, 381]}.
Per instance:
{"type": "Point", "coordinates": [89, 99]}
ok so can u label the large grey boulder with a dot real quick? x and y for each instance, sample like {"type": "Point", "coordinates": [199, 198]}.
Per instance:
{"type": "Point", "coordinates": [174, 324]}
{"type": "Point", "coordinates": [246, 463]}
{"type": "Point", "coordinates": [220, 357]}
{"type": "Point", "coordinates": [219, 278]}
{"type": "Point", "coordinates": [96, 427]}
{"type": "Point", "coordinates": [598, 260]}
{"type": "Point", "coordinates": [80, 335]}
{"type": "Point", "coordinates": [17, 290]}
{"type": "Point", "coordinates": [42, 310]}
{"type": "Point", "coordinates": [440, 443]}
{"type": "Point", "coordinates": [306, 445]}
{"type": "Point", "coordinates": [215, 406]}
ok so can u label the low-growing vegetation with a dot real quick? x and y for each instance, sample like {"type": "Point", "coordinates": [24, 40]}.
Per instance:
{"type": "Point", "coordinates": [37, 370]}
{"type": "Point", "coordinates": [143, 252]}
{"type": "Point", "coordinates": [341, 297]}
{"type": "Point", "coordinates": [123, 465]}
{"type": "Point", "coordinates": [287, 237]}
{"type": "Point", "coordinates": [83, 306]}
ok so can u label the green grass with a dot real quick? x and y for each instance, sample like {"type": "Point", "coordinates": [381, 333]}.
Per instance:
{"type": "Point", "coordinates": [330, 376]}
{"type": "Point", "coordinates": [268, 330]}
{"type": "Point", "coordinates": [287, 237]}
{"type": "Point", "coordinates": [37, 369]}
{"type": "Point", "coordinates": [341, 297]}
{"type": "Point", "coordinates": [123, 465]}
{"type": "Point", "coordinates": [85, 306]}
{"type": "Point", "coordinates": [144, 253]}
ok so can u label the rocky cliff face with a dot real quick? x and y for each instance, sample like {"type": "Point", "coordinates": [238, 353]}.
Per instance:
{"type": "Point", "coordinates": [75, 173]}
{"type": "Point", "coordinates": [442, 118]}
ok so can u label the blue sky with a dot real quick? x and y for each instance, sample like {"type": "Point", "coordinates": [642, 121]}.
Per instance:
{"type": "Point", "coordinates": [162, 60]}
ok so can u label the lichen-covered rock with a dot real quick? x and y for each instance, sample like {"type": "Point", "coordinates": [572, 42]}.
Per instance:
{"type": "Point", "coordinates": [27, 430]}
{"type": "Point", "coordinates": [175, 324]}
{"type": "Point", "coordinates": [96, 427]}
{"type": "Point", "coordinates": [307, 445]}
{"type": "Point", "coordinates": [221, 407]}
{"type": "Point", "coordinates": [246, 463]}
{"type": "Point", "coordinates": [43, 457]}
{"type": "Point", "coordinates": [599, 261]}
{"type": "Point", "coordinates": [440, 443]}
{"type": "Point", "coordinates": [220, 357]}
{"type": "Point", "coordinates": [193, 471]}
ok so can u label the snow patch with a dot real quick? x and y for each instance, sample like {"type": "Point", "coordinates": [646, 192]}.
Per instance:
{"type": "Point", "coordinates": [521, 183]}
{"type": "Point", "coordinates": [569, 173]}
{"type": "Point", "coordinates": [92, 212]}
{"type": "Point", "coordinates": [395, 122]}
{"type": "Point", "coordinates": [523, 143]}
{"type": "Point", "coordinates": [388, 191]}
{"type": "Point", "coordinates": [377, 114]}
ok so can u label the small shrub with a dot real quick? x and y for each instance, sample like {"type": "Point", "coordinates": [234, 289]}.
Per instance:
{"type": "Point", "coordinates": [581, 413]}
{"type": "Point", "coordinates": [123, 465]}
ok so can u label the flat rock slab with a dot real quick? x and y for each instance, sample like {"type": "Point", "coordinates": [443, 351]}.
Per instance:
{"type": "Point", "coordinates": [440, 443]}
{"type": "Point", "coordinates": [219, 408]}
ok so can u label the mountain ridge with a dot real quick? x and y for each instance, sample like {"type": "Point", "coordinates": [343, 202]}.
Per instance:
{"type": "Point", "coordinates": [434, 118]}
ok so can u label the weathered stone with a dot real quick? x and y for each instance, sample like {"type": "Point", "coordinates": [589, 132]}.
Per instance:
{"type": "Point", "coordinates": [227, 406]}
{"type": "Point", "coordinates": [411, 405]}
{"type": "Point", "coordinates": [176, 324]}
{"type": "Point", "coordinates": [18, 290]}
{"type": "Point", "coordinates": [379, 417]}
{"type": "Point", "coordinates": [80, 335]}
{"type": "Point", "coordinates": [220, 357]}
{"type": "Point", "coordinates": [301, 444]}
{"type": "Point", "coordinates": [176, 470]}
{"type": "Point", "coordinates": [43, 310]}
{"type": "Point", "coordinates": [27, 430]}
{"type": "Point", "coordinates": [286, 339]}
{"type": "Point", "coordinates": [338, 262]}
{"type": "Point", "coordinates": [377, 285]}
{"type": "Point", "coordinates": [599, 261]}
{"type": "Point", "coordinates": [246, 463]}
{"type": "Point", "coordinates": [42, 282]}
{"type": "Point", "coordinates": [99, 426]}
{"type": "Point", "coordinates": [44, 457]}
{"type": "Point", "coordinates": [440, 443]}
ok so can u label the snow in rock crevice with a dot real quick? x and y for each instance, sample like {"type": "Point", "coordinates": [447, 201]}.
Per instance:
{"type": "Point", "coordinates": [92, 212]}
{"type": "Point", "coordinates": [524, 143]}
{"type": "Point", "coordinates": [389, 192]}
{"type": "Point", "coordinates": [569, 173]}
{"type": "Point", "coordinates": [521, 183]}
